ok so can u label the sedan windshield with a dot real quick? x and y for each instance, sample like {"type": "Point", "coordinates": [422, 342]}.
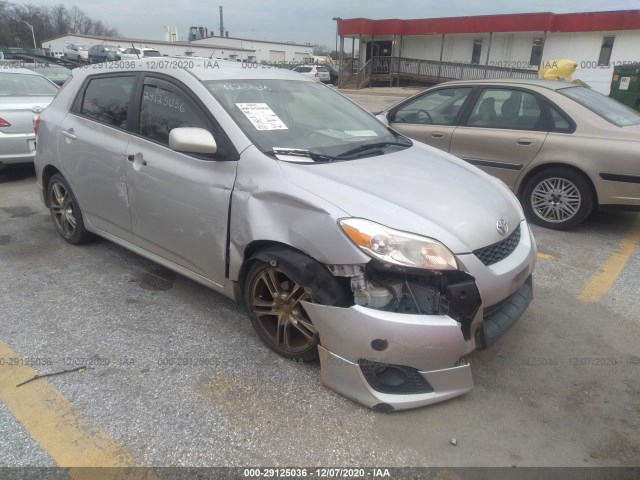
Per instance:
{"type": "Point", "coordinates": [21, 85]}
{"type": "Point", "coordinates": [606, 107]}
{"type": "Point", "coordinates": [306, 118]}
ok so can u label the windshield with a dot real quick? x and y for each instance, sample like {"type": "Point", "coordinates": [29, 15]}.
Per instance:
{"type": "Point", "coordinates": [152, 53]}
{"type": "Point", "coordinates": [20, 85]}
{"type": "Point", "coordinates": [82, 47]}
{"type": "Point", "coordinates": [110, 49]}
{"type": "Point", "coordinates": [606, 107]}
{"type": "Point", "coordinates": [290, 114]}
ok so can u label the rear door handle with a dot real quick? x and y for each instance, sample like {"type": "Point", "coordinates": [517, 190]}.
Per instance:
{"type": "Point", "coordinates": [525, 141]}
{"type": "Point", "coordinates": [131, 158]}
{"type": "Point", "coordinates": [437, 134]}
{"type": "Point", "coordinates": [69, 134]}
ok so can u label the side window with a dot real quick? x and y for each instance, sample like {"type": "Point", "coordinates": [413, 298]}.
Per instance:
{"type": "Point", "coordinates": [506, 108]}
{"type": "Point", "coordinates": [106, 100]}
{"type": "Point", "coordinates": [436, 108]}
{"type": "Point", "coordinates": [558, 121]}
{"type": "Point", "coordinates": [162, 110]}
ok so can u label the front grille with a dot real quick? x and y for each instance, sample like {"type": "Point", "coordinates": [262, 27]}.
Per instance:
{"type": "Point", "coordinates": [500, 250]}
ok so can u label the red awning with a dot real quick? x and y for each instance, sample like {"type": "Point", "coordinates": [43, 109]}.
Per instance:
{"type": "Point", "coordinates": [519, 22]}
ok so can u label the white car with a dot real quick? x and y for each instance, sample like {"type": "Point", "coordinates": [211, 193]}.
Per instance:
{"type": "Point", "coordinates": [317, 72]}
{"type": "Point", "coordinates": [79, 53]}
{"type": "Point", "coordinates": [136, 53]}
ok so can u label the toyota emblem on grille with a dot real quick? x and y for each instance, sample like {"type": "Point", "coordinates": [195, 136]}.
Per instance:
{"type": "Point", "coordinates": [502, 227]}
{"type": "Point", "coordinates": [36, 109]}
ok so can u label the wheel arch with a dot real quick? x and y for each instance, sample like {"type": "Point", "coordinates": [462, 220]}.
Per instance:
{"type": "Point", "coordinates": [48, 172]}
{"type": "Point", "coordinates": [545, 166]}
{"type": "Point", "coordinates": [303, 268]}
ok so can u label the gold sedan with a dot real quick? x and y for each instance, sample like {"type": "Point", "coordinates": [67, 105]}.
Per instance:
{"type": "Point", "coordinates": [564, 149]}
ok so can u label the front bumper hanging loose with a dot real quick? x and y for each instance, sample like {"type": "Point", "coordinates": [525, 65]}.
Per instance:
{"type": "Point", "coordinates": [394, 361]}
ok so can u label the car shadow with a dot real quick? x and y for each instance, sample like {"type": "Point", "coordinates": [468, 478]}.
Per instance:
{"type": "Point", "coordinates": [604, 222]}
{"type": "Point", "coordinates": [21, 171]}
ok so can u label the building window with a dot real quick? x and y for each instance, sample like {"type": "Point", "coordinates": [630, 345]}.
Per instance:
{"type": "Point", "coordinates": [477, 49]}
{"type": "Point", "coordinates": [536, 51]}
{"type": "Point", "coordinates": [605, 50]}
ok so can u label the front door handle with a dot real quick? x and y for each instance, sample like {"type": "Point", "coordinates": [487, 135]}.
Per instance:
{"type": "Point", "coordinates": [437, 134]}
{"type": "Point", "coordinates": [525, 141]}
{"type": "Point", "coordinates": [69, 134]}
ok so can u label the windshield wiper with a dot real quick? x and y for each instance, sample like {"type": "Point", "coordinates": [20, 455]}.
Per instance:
{"type": "Point", "coordinates": [300, 152]}
{"type": "Point", "coordinates": [372, 146]}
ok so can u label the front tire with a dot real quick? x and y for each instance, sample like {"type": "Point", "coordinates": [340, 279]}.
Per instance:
{"type": "Point", "coordinates": [558, 198]}
{"type": "Point", "coordinates": [65, 212]}
{"type": "Point", "coordinates": [276, 283]}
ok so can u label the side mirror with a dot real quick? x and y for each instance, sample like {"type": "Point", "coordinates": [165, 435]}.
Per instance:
{"type": "Point", "coordinates": [192, 140]}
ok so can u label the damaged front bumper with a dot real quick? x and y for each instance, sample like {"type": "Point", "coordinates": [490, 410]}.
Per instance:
{"type": "Point", "coordinates": [394, 361]}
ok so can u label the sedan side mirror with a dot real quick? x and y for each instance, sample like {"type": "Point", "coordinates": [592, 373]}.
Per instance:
{"type": "Point", "coordinates": [192, 140]}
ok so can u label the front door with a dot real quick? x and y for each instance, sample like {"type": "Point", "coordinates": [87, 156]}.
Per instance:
{"type": "Point", "coordinates": [179, 202]}
{"type": "Point", "coordinates": [431, 117]}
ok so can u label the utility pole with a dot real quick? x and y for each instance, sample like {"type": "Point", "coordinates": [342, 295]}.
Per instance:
{"type": "Point", "coordinates": [337, 20]}
{"type": "Point", "coordinates": [32, 34]}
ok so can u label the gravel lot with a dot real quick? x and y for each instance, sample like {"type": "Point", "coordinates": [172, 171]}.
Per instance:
{"type": "Point", "coordinates": [538, 400]}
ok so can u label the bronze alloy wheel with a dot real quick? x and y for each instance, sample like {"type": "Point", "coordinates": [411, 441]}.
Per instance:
{"type": "Point", "coordinates": [61, 206]}
{"type": "Point", "coordinates": [275, 303]}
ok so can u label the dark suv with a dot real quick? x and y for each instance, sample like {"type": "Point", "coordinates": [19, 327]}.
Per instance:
{"type": "Point", "coordinates": [103, 53]}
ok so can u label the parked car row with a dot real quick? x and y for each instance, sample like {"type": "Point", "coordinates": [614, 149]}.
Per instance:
{"type": "Point", "coordinates": [106, 53]}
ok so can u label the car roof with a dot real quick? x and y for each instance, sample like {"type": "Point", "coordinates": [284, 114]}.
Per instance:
{"type": "Point", "coordinates": [206, 69]}
{"type": "Point", "coordinates": [532, 82]}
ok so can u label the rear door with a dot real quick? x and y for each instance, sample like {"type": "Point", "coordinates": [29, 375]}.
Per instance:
{"type": "Point", "coordinates": [431, 117]}
{"type": "Point", "coordinates": [179, 202]}
{"type": "Point", "coordinates": [92, 141]}
{"type": "Point", "coordinates": [502, 133]}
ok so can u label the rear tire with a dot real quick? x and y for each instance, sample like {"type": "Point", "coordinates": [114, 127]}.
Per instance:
{"type": "Point", "coordinates": [558, 198]}
{"type": "Point", "coordinates": [65, 212]}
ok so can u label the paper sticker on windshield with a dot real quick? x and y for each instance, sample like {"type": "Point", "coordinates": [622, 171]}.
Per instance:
{"type": "Point", "coordinates": [261, 116]}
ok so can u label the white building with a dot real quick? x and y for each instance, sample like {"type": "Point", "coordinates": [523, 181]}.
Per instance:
{"type": "Point", "coordinates": [596, 41]}
{"type": "Point", "coordinates": [228, 48]}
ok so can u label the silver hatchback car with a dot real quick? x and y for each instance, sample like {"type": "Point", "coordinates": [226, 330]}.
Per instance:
{"type": "Point", "coordinates": [391, 261]}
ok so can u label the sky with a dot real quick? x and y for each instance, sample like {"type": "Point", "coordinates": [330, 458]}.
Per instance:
{"type": "Point", "coordinates": [300, 21]}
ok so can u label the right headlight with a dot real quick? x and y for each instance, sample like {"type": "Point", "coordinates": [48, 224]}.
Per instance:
{"type": "Point", "coordinates": [397, 247]}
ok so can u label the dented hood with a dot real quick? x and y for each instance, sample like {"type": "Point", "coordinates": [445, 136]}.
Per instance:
{"type": "Point", "coordinates": [420, 190]}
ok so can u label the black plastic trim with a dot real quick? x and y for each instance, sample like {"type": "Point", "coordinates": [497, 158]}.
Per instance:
{"type": "Point", "coordinates": [487, 163]}
{"type": "Point", "coordinates": [414, 382]}
{"type": "Point", "coordinates": [500, 320]}
{"type": "Point", "coordinates": [620, 177]}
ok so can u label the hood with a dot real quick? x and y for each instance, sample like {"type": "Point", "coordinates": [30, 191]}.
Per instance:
{"type": "Point", "coordinates": [420, 190]}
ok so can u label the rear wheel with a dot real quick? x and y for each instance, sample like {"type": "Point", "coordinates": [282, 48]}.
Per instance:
{"type": "Point", "coordinates": [65, 212]}
{"type": "Point", "coordinates": [558, 198]}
